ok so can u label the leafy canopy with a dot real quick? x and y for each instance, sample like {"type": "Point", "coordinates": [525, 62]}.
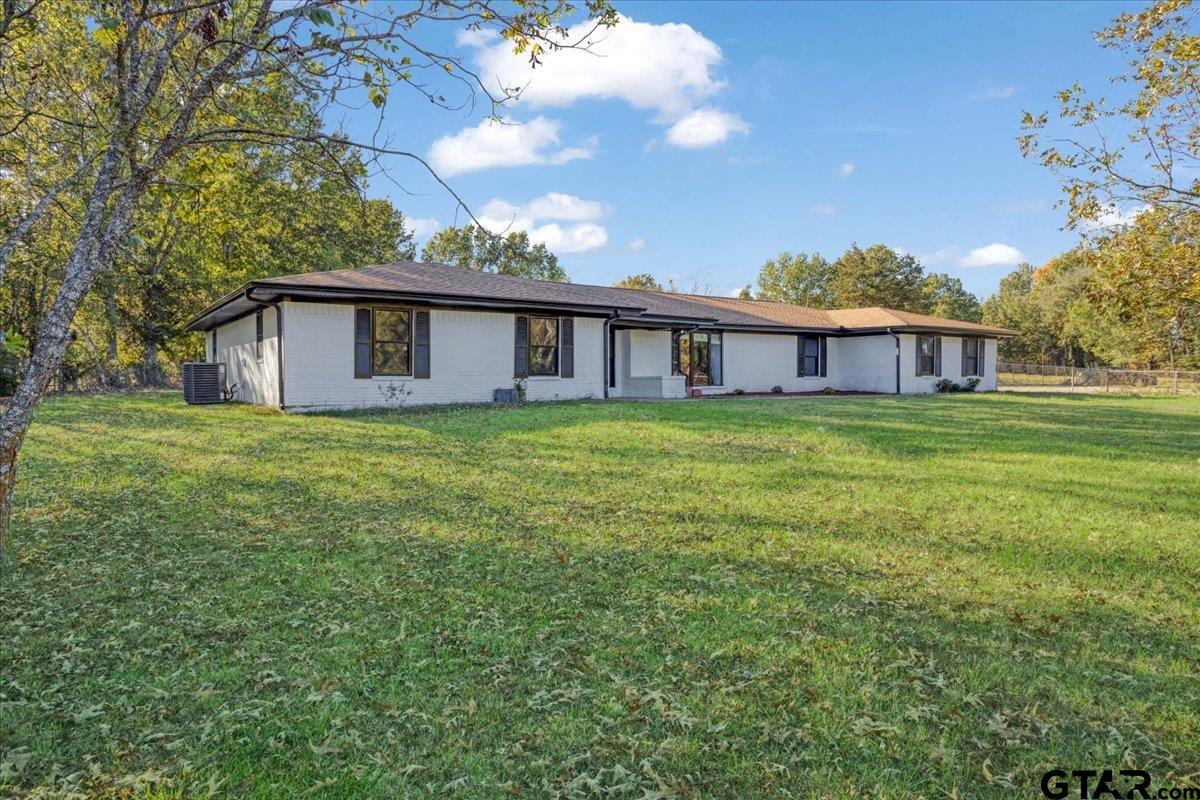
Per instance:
{"type": "Point", "coordinates": [473, 247]}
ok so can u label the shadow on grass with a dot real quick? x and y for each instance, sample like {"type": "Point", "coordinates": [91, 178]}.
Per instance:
{"type": "Point", "coordinates": [523, 600]}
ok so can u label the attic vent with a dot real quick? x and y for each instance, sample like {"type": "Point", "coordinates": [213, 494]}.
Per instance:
{"type": "Point", "coordinates": [203, 382]}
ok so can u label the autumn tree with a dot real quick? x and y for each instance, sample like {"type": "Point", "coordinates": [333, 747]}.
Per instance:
{"type": "Point", "coordinates": [1130, 174]}
{"type": "Point", "coordinates": [474, 247]}
{"type": "Point", "coordinates": [101, 100]}
{"type": "Point", "coordinates": [1014, 306]}
{"type": "Point", "coordinates": [643, 280]}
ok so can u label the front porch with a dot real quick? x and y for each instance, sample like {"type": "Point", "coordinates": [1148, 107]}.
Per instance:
{"type": "Point", "coordinates": [662, 362]}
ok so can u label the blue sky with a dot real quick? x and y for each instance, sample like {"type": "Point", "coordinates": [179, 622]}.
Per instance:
{"type": "Point", "coordinates": [698, 152]}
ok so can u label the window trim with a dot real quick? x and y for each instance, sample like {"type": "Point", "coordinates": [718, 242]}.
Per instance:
{"type": "Point", "coordinates": [530, 346]}
{"type": "Point", "coordinates": [933, 370]}
{"type": "Point", "coordinates": [411, 314]}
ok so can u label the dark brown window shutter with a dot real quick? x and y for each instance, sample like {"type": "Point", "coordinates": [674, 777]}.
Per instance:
{"type": "Point", "coordinates": [937, 356]}
{"type": "Point", "coordinates": [824, 353]}
{"type": "Point", "coordinates": [676, 367]}
{"type": "Point", "coordinates": [421, 344]}
{"type": "Point", "coordinates": [566, 348]}
{"type": "Point", "coordinates": [980, 356]}
{"type": "Point", "coordinates": [362, 342]}
{"type": "Point", "coordinates": [521, 348]}
{"type": "Point", "coordinates": [966, 345]}
{"type": "Point", "coordinates": [799, 356]}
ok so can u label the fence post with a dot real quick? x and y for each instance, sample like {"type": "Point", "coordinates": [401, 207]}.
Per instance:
{"type": "Point", "coordinates": [1175, 382]}
{"type": "Point", "coordinates": [1104, 379]}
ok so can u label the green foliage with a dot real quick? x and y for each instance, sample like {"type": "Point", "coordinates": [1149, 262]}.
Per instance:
{"type": "Point", "coordinates": [692, 599]}
{"type": "Point", "coordinates": [798, 278]}
{"type": "Point", "coordinates": [1014, 306]}
{"type": "Point", "coordinates": [13, 351]}
{"type": "Point", "coordinates": [220, 217]}
{"type": "Point", "coordinates": [948, 386]}
{"type": "Point", "coordinates": [642, 280]}
{"type": "Point", "coordinates": [1130, 296]}
{"type": "Point", "coordinates": [878, 276]}
{"type": "Point", "coordinates": [472, 247]}
{"type": "Point", "coordinates": [1127, 299]}
{"type": "Point", "coordinates": [946, 297]}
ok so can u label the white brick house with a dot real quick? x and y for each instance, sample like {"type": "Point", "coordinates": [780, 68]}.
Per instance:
{"type": "Point", "coordinates": [439, 334]}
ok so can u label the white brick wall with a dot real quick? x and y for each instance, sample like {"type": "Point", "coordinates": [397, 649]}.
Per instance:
{"type": "Point", "coordinates": [867, 364]}
{"type": "Point", "coordinates": [256, 382]}
{"type": "Point", "coordinates": [471, 353]}
{"type": "Point", "coordinates": [910, 382]}
{"type": "Point", "coordinates": [757, 362]}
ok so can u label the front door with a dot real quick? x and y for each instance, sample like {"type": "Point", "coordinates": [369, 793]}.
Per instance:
{"type": "Point", "coordinates": [699, 358]}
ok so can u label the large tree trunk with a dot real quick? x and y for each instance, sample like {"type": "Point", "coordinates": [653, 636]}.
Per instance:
{"type": "Point", "coordinates": [151, 371]}
{"type": "Point", "coordinates": [103, 225]}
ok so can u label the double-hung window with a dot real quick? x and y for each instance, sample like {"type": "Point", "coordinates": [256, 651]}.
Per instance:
{"type": "Point", "coordinates": [391, 341]}
{"type": "Point", "coordinates": [972, 356]}
{"type": "Point", "coordinates": [543, 345]}
{"type": "Point", "coordinates": [928, 348]}
{"type": "Point", "coordinates": [813, 351]}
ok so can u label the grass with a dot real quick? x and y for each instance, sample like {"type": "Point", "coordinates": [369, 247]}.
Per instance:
{"type": "Point", "coordinates": [819, 597]}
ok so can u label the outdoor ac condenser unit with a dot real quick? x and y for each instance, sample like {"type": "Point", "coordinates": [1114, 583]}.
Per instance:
{"type": "Point", "coordinates": [203, 382]}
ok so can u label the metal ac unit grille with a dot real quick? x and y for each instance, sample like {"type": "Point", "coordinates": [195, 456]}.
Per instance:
{"type": "Point", "coordinates": [203, 382]}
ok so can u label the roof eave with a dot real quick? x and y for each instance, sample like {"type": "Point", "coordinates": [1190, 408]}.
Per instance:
{"type": "Point", "coordinates": [279, 290]}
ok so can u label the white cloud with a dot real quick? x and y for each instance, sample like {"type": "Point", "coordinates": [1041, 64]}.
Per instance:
{"type": "Point", "coordinates": [705, 127]}
{"type": "Point", "coordinates": [637, 244]}
{"type": "Point", "coordinates": [994, 93]}
{"type": "Point", "coordinates": [421, 227]}
{"type": "Point", "coordinates": [502, 217]}
{"type": "Point", "coordinates": [492, 143]}
{"type": "Point", "coordinates": [1113, 217]}
{"type": "Point", "coordinates": [992, 255]}
{"type": "Point", "coordinates": [474, 38]}
{"type": "Point", "coordinates": [667, 68]}
{"type": "Point", "coordinates": [939, 256]}
{"type": "Point", "coordinates": [570, 239]}
{"type": "Point", "coordinates": [823, 209]}
{"type": "Point", "coordinates": [556, 205]}
{"type": "Point", "coordinates": [846, 170]}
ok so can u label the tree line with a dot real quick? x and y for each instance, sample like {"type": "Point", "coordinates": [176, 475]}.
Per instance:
{"type": "Point", "coordinates": [153, 151]}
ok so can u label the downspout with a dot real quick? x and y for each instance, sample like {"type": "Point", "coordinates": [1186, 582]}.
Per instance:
{"type": "Point", "coordinates": [605, 357]}
{"type": "Point", "coordinates": [278, 338]}
{"type": "Point", "coordinates": [895, 336]}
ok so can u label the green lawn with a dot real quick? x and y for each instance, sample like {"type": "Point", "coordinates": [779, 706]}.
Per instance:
{"type": "Point", "coordinates": [817, 597]}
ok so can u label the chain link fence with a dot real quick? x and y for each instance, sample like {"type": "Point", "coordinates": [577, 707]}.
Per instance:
{"type": "Point", "coordinates": [1097, 379]}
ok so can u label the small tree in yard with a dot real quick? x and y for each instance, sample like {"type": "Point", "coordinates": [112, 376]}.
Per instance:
{"type": "Point", "coordinates": [102, 102]}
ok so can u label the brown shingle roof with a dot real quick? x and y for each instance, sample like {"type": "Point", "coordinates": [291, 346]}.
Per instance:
{"type": "Point", "coordinates": [412, 278]}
